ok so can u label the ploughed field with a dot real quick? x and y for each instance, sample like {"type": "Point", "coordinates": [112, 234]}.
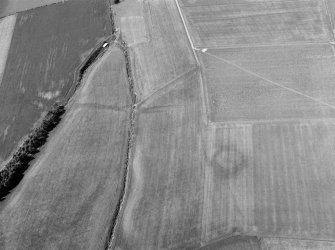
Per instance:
{"type": "Point", "coordinates": [47, 46]}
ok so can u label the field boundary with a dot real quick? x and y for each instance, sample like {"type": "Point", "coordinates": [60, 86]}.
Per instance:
{"type": "Point", "coordinates": [204, 92]}
{"type": "Point", "coordinates": [96, 53]}
{"type": "Point", "coordinates": [187, 32]}
{"type": "Point", "coordinates": [130, 146]}
{"type": "Point", "coordinates": [123, 46]}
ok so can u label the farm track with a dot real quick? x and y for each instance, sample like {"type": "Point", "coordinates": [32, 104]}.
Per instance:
{"type": "Point", "coordinates": [204, 94]}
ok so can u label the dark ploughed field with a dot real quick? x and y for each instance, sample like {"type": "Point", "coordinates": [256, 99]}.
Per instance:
{"type": "Point", "coordinates": [47, 47]}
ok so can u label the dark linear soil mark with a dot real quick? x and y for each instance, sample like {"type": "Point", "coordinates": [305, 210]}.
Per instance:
{"type": "Point", "coordinates": [13, 171]}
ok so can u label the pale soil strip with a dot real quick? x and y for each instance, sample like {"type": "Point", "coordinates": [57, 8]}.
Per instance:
{"type": "Point", "coordinates": [317, 203]}
{"type": "Point", "coordinates": [230, 178]}
{"type": "Point", "coordinates": [187, 32]}
{"type": "Point", "coordinates": [207, 173]}
{"type": "Point", "coordinates": [330, 209]}
{"type": "Point", "coordinates": [272, 170]}
{"type": "Point", "coordinates": [250, 178]}
{"type": "Point", "coordinates": [293, 173]}
{"type": "Point", "coordinates": [7, 25]}
{"type": "Point", "coordinates": [305, 136]}
{"type": "Point", "coordinates": [267, 160]}
{"type": "Point", "coordinates": [304, 202]}
{"type": "Point", "coordinates": [240, 180]}
{"type": "Point", "coordinates": [208, 187]}
{"type": "Point", "coordinates": [270, 81]}
{"type": "Point", "coordinates": [286, 180]}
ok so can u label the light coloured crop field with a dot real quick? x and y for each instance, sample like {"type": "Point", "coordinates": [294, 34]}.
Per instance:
{"type": "Point", "coordinates": [232, 23]}
{"type": "Point", "coordinates": [270, 83]}
{"type": "Point", "coordinates": [6, 31]}
{"type": "Point", "coordinates": [68, 197]}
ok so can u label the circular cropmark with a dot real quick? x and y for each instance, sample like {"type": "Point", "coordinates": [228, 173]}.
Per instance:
{"type": "Point", "coordinates": [228, 162]}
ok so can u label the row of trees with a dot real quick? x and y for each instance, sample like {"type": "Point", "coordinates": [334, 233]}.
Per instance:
{"type": "Point", "coordinates": [13, 171]}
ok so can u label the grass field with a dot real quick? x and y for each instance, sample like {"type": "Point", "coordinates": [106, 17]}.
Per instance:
{"type": "Point", "coordinates": [47, 47]}
{"type": "Point", "coordinates": [6, 31]}
{"type": "Point", "coordinates": [231, 23]}
{"type": "Point", "coordinates": [8, 7]}
{"type": "Point", "coordinates": [68, 197]}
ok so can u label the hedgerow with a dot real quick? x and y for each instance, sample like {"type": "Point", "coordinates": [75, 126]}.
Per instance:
{"type": "Point", "coordinates": [13, 171]}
